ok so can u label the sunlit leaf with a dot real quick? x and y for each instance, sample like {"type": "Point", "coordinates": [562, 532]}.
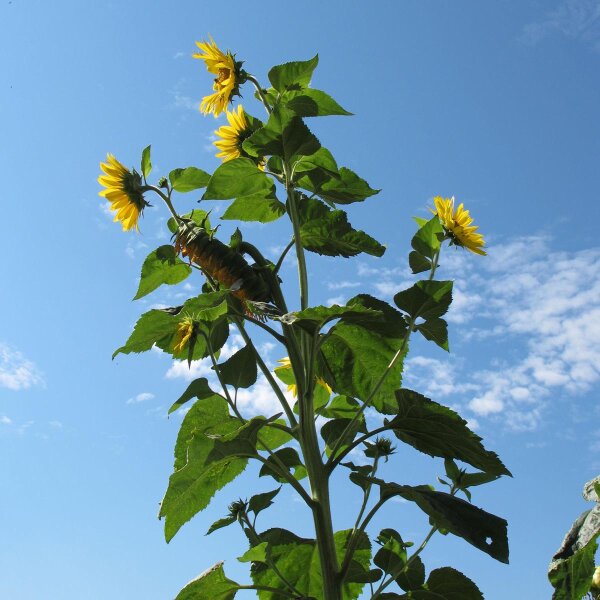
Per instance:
{"type": "Point", "coordinates": [314, 103]}
{"type": "Point", "coordinates": [211, 585]}
{"type": "Point", "coordinates": [262, 207]}
{"type": "Point", "coordinates": [293, 75]}
{"type": "Point", "coordinates": [236, 178]}
{"type": "Point", "coordinates": [188, 179]}
{"type": "Point", "coordinates": [146, 164]}
{"type": "Point", "coordinates": [425, 299]}
{"type": "Point", "coordinates": [161, 266]}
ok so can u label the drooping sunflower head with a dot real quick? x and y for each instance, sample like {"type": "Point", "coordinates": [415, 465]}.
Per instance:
{"type": "Point", "coordinates": [228, 76]}
{"type": "Point", "coordinates": [232, 136]}
{"type": "Point", "coordinates": [185, 330]}
{"type": "Point", "coordinates": [123, 191]}
{"type": "Point", "coordinates": [458, 225]}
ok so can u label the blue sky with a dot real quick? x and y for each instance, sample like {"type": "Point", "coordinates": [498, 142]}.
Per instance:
{"type": "Point", "coordinates": [495, 103]}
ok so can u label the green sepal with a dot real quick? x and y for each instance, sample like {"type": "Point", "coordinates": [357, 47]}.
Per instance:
{"type": "Point", "coordinates": [313, 103]}
{"type": "Point", "coordinates": [161, 266]}
{"type": "Point", "coordinates": [437, 430]}
{"type": "Point", "coordinates": [427, 239]}
{"type": "Point", "coordinates": [290, 459]}
{"type": "Point", "coordinates": [239, 370]}
{"type": "Point", "coordinates": [236, 178]}
{"type": "Point", "coordinates": [210, 585]}
{"type": "Point", "coordinates": [260, 502]}
{"type": "Point", "coordinates": [199, 389]}
{"type": "Point", "coordinates": [435, 330]}
{"type": "Point", "coordinates": [188, 179]}
{"type": "Point", "coordinates": [293, 75]}
{"type": "Point", "coordinates": [146, 164]}
{"type": "Point", "coordinates": [198, 216]}
{"type": "Point", "coordinates": [262, 207]}
{"type": "Point", "coordinates": [418, 263]}
{"type": "Point", "coordinates": [328, 232]}
{"type": "Point", "coordinates": [425, 299]}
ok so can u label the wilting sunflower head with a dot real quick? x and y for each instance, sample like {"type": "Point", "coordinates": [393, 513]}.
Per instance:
{"type": "Point", "coordinates": [232, 136]}
{"type": "Point", "coordinates": [184, 332]}
{"type": "Point", "coordinates": [228, 80]}
{"type": "Point", "coordinates": [457, 224]}
{"type": "Point", "coordinates": [123, 191]}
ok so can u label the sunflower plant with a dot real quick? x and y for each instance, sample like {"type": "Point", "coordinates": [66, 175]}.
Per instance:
{"type": "Point", "coordinates": [345, 408]}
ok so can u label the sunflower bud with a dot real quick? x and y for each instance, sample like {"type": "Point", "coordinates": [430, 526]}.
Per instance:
{"type": "Point", "coordinates": [381, 448]}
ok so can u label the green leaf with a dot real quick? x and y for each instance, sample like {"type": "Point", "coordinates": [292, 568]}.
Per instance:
{"type": "Point", "coordinates": [293, 75]}
{"type": "Point", "coordinates": [357, 356]}
{"type": "Point", "coordinates": [261, 207]}
{"type": "Point", "coordinates": [481, 529]}
{"type": "Point", "coordinates": [146, 164]}
{"type": "Point", "coordinates": [236, 178]}
{"type": "Point", "coordinates": [572, 567]}
{"type": "Point", "coordinates": [199, 389]}
{"type": "Point", "coordinates": [195, 479]}
{"type": "Point", "coordinates": [448, 584]}
{"type": "Point", "coordinates": [314, 103]}
{"type": "Point", "coordinates": [257, 553]}
{"type": "Point", "coordinates": [220, 523]}
{"type": "Point", "coordinates": [425, 299]}
{"type": "Point", "coordinates": [426, 241]}
{"type": "Point", "coordinates": [284, 135]}
{"type": "Point", "coordinates": [161, 266]}
{"type": "Point", "coordinates": [322, 159]}
{"type": "Point", "coordinates": [391, 557]}
{"type": "Point", "coordinates": [315, 318]}
{"type": "Point", "coordinates": [340, 407]}
{"type": "Point", "coordinates": [435, 330]}
{"type": "Point", "coordinates": [151, 328]}
{"type": "Point", "coordinates": [333, 430]}
{"type": "Point", "coordinates": [344, 188]}
{"type": "Point", "coordinates": [188, 179]}
{"type": "Point", "coordinates": [290, 459]}
{"type": "Point", "coordinates": [239, 370]}
{"type": "Point", "coordinates": [260, 502]}
{"type": "Point", "coordinates": [327, 232]}
{"type": "Point", "coordinates": [200, 217]}
{"type": "Point", "coordinates": [418, 263]}
{"type": "Point", "coordinates": [438, 431]}
{"type": "Point", "coordinates": [413, 575]}
{"type": "Point", "coordinates": [211, 585]}
{"type": "Point", "coordinates": [274, 437]}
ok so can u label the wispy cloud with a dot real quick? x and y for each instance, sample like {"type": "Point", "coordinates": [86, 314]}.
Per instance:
{"type": "Point", "coordinates": [16, 371]}
{"type": "Point", "coordinates": [575, 19]}
{"type": "Point", "coordinates": [142, 397]}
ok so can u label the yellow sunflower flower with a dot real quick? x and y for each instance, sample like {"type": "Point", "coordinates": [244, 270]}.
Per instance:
{"type": "Point", "coordinates": [185, 329]}
{"type": "Point", "coordinates": [457, 223]}
{"type": "Point", "coordinates": [284, 372]}
{"type": "Point", "coordinates": [232, 136]}
{"type": "Point", "coordinates": [123, 192]}
{"type": "Point", "coordinates": [227, 82]}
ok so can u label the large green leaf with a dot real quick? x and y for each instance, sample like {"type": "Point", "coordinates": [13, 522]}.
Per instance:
{"type": "Point", "coordinates": [313, 103]}
{"type": "Point", "coordinates": [341, 432]}
{"type": "Point", "coordinates": [572, 567]}
{"type": "Point", "coordinates": [289, 458]}
{"type": "Point", "coordinates": [391, 557]}
{"type": "Point", "coordinates": [199, 389]}
{"type": "Point", "coordinates": [298, 560]}
{"type": "Point", "coordinates": [435, 330]}
{"type": "Point", "coordinates": [326, 231]}
{"type": "Point", "coordinates": [284, 135]}
{"type": "Point", "coordinates": [236, 178]}
{"type": "Point", "coordinates": [293, 75]}
{"type": "Point", "coordinates": [151, 328]}
{"type": "Point", "coordinates": [343, 188]}
{"type": "Point", "coordinates": [188, 179]}
{"type": "Point", "coordinates": [263, 207]}
{"type": "Point", "coordinates": [340, 407]}
{"type": "Point", "coordinates": [274, 437]}
{"type": "Point", "coordinates": [357, 356]}
{"type": "Point", "coordinates": [315, 318]}
{"type": "Point", "coordinates": [438, 431]}
{"type": "Point", "coordinates": [239, 370]}
{"type": "Point", "coordinates": [426, 241]}
{"type": "Point", "coordinates": [322, 160]}
{"type": "Point", "coordinates": [447, 583]}
{"type": "Point", "coordinates": [210, 585]}
{"type": "Point", "coordinates": [412, 576]}
{"type": "Point", "coordinates": [425, 299]}
{"type": "Point", "coordinates": [196, 478]}
{"type": "Point", "coordinates": [161, 266]}
{"type": "Point", "coordinates": [478, 527]}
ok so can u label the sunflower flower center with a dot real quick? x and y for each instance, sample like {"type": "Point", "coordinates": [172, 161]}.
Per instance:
{"type": "Point", "coordinates": [223, 75]}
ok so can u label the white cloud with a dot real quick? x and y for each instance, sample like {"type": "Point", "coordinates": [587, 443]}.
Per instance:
{"type": "Point", "coordinates": [55, 424]}
{"type": "Point", "coordinates": [342, 285]}
{"type": "Point", "coordinates": [16, 372]}
{"type": "Point", "coordinates": [260, 399]}
{"type": "Point", "coordinates": [142, 397]}
{"type": "Point", "coordinates": [4, 420]}
{"type": "Point", "coordinates": [575, 19]}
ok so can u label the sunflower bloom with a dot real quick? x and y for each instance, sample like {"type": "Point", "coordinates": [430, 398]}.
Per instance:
{"type": "Point", "coordinates": [285, 374]}
{"type": "Point", "coordinates": [457, 223]}
{"type": "Point", "coordinates": [232, 136]}
{"type": "Point", "coordinates": [228, 77]}
{"type": "Point", "coordinates": [123, 192]}
{"type": "Point", "coordinates": [184, 332]}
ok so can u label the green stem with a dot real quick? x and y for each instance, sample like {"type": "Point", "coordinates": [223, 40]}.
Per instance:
{"type": "Point", "coordinates": [295, 218]}
{"type": "Point", "coordinates": [283, 255]}
{"type": "Point", "coordinates": [261, 94]}
{"type": "Point", "coordinates": [167, 201]}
